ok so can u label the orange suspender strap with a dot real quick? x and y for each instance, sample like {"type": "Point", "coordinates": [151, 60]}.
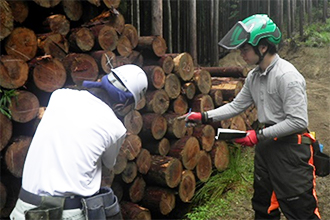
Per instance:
{"type": "Point", "coordinates": [273, 203]}
{"type": "Point", "coordinates": [299, 138]}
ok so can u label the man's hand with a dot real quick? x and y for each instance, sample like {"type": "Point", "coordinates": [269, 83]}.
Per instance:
{"type": "Point", "coordinates": [192, 118]}
{"type": "Point", "coordinates": [249, 140]}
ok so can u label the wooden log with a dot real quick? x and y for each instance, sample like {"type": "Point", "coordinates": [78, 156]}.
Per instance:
{"type": "Point", "coordinates": [130, 172]}
{"type": "Point", "coordinates": [6, 131]}
{"type": "Point", "coordinates": [179, 105]}
{"type": "Point", "coordinates": [124, 46]}
{"type": "Point", "coordinates": [16, 153]}
{"type": "Point", "coordinates": [238, 123]}
{"type": "Point", "coordinates": [117, 21]}
{"type": "Point", "coordinates": [229, 71]}
{"type": "Point", "coordinates": [80, 67]}
{"type": "Point", "coordinates": [72, 9]}
{"type": "Point", "coordinates": [133, 122]}
{"type": "Point", "coordinates": [108, 176]}
{"type": "Point", "coordinates": [172, 86]}
{"type": "Point", "coordinates": [165, 61]}
{"type": "Point", "coordinates": [121, 162]}
{"type": "Point", "coordinates": [131, 33]}
{"type": "Point", "coordinates": [175, 128]}
{"type": "Point", "coordinates": [136, 189]}
{"type": "Point", "coordinates": [158, 147]}
{"type": "Point", "coordinates": [154, 126]}
{"type": "Point", "coordinates": [205, 134]}
{"type": "Point", "coordinates": [229, 89]}
{"type": "Point", "coordinates": [186, 149]}
{"type": "Point", "coordinates": [202, 79]}
{"type": "Point", "coordinates": [13, 72]}
{"type": "Point", "coordinates": [118, 188]}
{"type": "Point", "coordinates": [20, 10]}
{"type": "Point", "coordinates": [55, 45]}
{"type": "Point", "coordinates": [136, 58]}
{"type": "Point", "coordinates": [132, 146]}
{"type": "Point", "coordinates": [58, 23]}
{"type": "Point", "coordinates": [156, 44]}
{"type": "Point", "coordinates": [47, 3]}
{"type": "Point", "coordinates": [160, 199]}
{"type": "Point", "coordinates": [202, 103]}
{"type": "Point", "coordinates": [24, 106]}
{"type": "Point", "coordinates": [143, 161]}
{"type": "Point", "coordinates": [106, 60]}
{"type": "Point", "coordinates": [217, 97]}
{"type": "Point", "coordinates": [112, 3]}
{"type": "Point", "coordinates": [107, 37]}
{"type": "Point", "coordinates": [49, 74]}
{"type": "Point", "coordinates": [130, 210]}
{"type": "Point", "coordinates": [184, 66]}
{"type": "Point", "coordinates": [220, 155]}
{"type": "Point", "coordinates": [164, 171]}
{"type": "Point", "coordinates": [204, 166]}
{"type": "Point", "coordinates": [22, 43]}
{"type": "Point", "coordinates": [81, 39]}
{"type": "Point", "coordinates": [156, 77]}
{"type": "Point", "coordinates": [6, 21]}
{"type": "Point", "coordinates": [187, 186]}
{"type": "Point", "coordinates": [3, 195]}
{"type": "Point", "coordinates": [157, 101]}
{"type": "Point", "coordinates": [189, 90]}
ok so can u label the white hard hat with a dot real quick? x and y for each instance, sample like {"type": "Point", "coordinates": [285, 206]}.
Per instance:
{"type": "Point", "coordinates": [134, 79]}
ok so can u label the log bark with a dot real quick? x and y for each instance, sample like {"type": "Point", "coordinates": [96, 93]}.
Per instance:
{"type": "Point", "coordinates": [108, 176]}
{"type": "Point", "coordinates": [81, 39]}
{"type": "Point", "coordinates": [156, 77]}
{"type": "Point", "coordinates": [217, 97]}
{"type": "Point", "coordinates": [229, 71]}
{"type": "Point", "coordinates": [55, 45]}
{"type": "Point", "coordinates": [49, 74]}
{"type": "Point", "coordinates": [134, 211]}
{"type": "Point", "coordinates": [164, 171]}
{"type": "Point", "coordinates": [58, 24]}
{"type": "Point", "coordinates": [22, 43]}
{"type": "Point", "coordinates": [13, 72]}
{"type": "Point", "coordinates": [6, 131]}
{"type": "Point", "coordinates": [187, 186]}
{"type": "Point", "coordinates": [121, 162]}
{"type": "Point", "coordinates": [136, 189]}
{"type": "Point", "coordinates": [204, 166]}
{"type": "Point", "coordinates": [20, 10]}
{"type": "Point", "coordinates": [202, 79]}
{"type": "Point", "coordinates": [189, 90]}
{"type": "Point", "coordinates": [6, 21]}
{"type": "Point", "coordinates": [132, 146]}
{"type": "Point", "coordinates": [184, 66]}
{"type": "Point", "coordinates": [24, 107]}
{"type": "Point", "coordinates": [80, 67]}
{"type": "Point", "coordinates": [160, 199]}
{"type": "Point", "coordinates": [205, 135]}
{"type": "Point", "coordinates": [72, 9]}
{"type": "Point", "coordinates": [202, 103]}
{"type": "Point", "coordinates": [172, 86]}
{"type": "Point", "coordinates": [220, 155]}
{"type": "Point", "coordinates": [157, 147]}
{"type": "Point", "coordinates": [175, 128]}
{"type": "Point", "coordinates": [179, 105]}
{"type": "Point", "coordinates": [133, 122]}
{"type": "Point", "coordinates": [156, 44]}
{"type": "Point", "coordinates": [186, 149]}
{"type": "Point", "coordinates": [16, 154]}
{"type": "Point", "coordinates": [130, 172]}
{"type": "Point", "coordinates": [154, 126]}
{"type": "Point", "coordinates": [143, 161]}
{"type": "Point", "coordinates": [157, 101]}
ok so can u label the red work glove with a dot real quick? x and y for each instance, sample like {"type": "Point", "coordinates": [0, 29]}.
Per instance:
{"type": "Point", "coordinates": [249, 140]}
{"type": "Point", "coordinates": [192, 118]}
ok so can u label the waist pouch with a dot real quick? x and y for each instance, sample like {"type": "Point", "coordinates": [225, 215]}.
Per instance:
{"type": "Point", "coordinates": [50, 208]}
{"type": "Point", "coordinates": [104, 205]}
{"type": "Point", "coordinates": [321, 161]}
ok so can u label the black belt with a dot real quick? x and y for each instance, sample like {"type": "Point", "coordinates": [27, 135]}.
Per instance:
{"type": "Point", "coordinates": [296, 139]}
{"type": "Point", "coordinates": [73, 202]}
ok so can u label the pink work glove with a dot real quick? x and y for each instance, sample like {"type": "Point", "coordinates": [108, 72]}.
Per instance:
{"type": "Point", "coordinates": [192, 118]}
{"type": "Point", "coordinates": [249, 140]}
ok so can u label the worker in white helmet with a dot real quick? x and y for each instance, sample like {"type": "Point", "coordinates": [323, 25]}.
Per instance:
{"type": "Point", "coordinates": [78, 134]}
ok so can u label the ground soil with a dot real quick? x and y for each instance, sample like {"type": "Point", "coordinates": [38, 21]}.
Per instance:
{"type": "Point", "coordinates": [314, 65]}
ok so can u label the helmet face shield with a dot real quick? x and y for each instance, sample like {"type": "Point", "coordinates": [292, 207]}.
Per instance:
{"type": "Point", "coordinates": [236, 37]}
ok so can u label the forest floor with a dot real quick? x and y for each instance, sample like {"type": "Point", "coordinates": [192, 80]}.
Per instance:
{"type": "Point", "coordinates": [314, 65]}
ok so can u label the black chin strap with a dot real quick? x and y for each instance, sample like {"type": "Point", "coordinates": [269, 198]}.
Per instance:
{"type": "Point", "coordinates": [261, 56]}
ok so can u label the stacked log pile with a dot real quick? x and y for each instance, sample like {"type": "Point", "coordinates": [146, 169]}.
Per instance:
{"type": "Point", "coordinates": [161, 160]}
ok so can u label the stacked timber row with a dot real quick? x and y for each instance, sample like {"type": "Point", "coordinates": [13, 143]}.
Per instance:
{"type": "Point", "coordinates": [161, 160]}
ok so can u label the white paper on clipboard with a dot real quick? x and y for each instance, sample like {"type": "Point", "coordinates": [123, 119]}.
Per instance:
{"type": "Point", "coordinates": [229, 134]}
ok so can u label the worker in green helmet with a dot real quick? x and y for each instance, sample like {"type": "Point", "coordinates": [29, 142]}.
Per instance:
{"type": "Point", "coordinates": [284, 175]}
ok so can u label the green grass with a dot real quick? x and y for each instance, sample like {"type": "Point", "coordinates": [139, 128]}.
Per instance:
{"type": "Point", "coordinates": [216, 197]}
{"type": "Point", "coordinates": [5, 101]}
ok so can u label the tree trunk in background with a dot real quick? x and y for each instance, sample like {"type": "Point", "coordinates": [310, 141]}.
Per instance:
{"type": "Point", "coordinates": [325, 6]}
{"type": "Point", "coordinates": [192, 30]}
{"type": "Point", "coordinates": [289, 27]}
{"type": "Point", "coordinates": [301, 18]}
{"type": "Point", "coordinates": [157, 17]}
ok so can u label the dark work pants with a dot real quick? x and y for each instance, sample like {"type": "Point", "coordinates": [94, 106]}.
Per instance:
{"type": "Point", "coordinates": [284, 179]}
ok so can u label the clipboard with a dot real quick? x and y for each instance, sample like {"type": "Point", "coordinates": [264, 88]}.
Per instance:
{"type": "Point", "coordinates": [229, 134]}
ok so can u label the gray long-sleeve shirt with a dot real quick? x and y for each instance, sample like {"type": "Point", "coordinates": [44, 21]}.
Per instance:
{"type": "Point", "coordinates": [279, 93]}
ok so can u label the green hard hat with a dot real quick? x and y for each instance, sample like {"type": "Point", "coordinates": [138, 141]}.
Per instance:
{"type": "Point", "coordinates": [251, 30]}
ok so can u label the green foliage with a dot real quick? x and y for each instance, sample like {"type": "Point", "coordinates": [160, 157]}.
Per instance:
{"type": "Point", "coordinates": [215, 197]}
{"type": "Point", "coordinates": [317, 34]}
{"type": "Point", "coordinates": [5, 101]}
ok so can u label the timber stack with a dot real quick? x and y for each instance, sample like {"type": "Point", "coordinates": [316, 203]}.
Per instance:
{"type": "Point", "coordinates": [161, 160]}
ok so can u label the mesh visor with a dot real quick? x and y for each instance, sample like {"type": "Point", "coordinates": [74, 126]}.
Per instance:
{"type": "Point", "coordinates": [237, 36]}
